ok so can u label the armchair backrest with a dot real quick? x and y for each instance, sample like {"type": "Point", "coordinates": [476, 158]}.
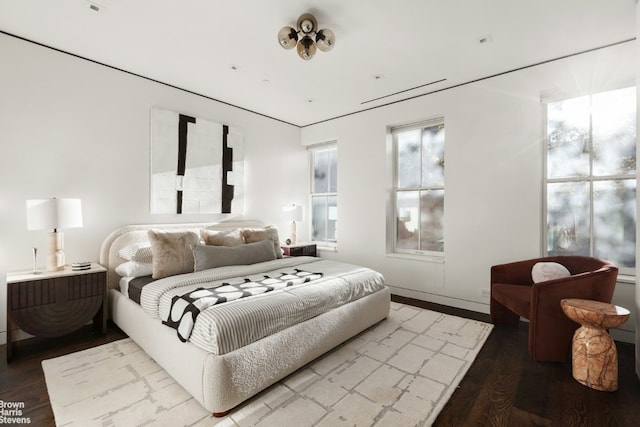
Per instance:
{"type": "Point", "coordinates": [577, 264]}
{"type": "Point", "coordinates": [519, 272]}
{"type": "Point", "coordinates": [591, 278]}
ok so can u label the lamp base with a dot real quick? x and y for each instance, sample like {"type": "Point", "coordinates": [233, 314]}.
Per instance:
{"type": "Point", "coordinates": [55, 255]}
{"type": "Point", "coordinates": [293, 237]}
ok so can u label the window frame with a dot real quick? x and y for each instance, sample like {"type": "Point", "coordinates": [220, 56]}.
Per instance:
{"type": "Point", "coordinates": [392, 246]}
{"type": "Point", "coordinates": [326, 243]}
{"type": "Point", "coordinates": [589, 180]}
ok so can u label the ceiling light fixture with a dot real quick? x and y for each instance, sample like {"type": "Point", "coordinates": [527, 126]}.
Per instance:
{"type": "Point", "coordinates": [307, 37]}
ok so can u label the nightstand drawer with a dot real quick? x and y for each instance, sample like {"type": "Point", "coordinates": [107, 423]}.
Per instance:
{"type": "Point", "coordinates": [301, 249]}
{"type": "Point", "coordinates": [55, 291]}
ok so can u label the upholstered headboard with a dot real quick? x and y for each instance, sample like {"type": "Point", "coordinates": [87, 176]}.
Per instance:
{"type": "Point", "coordinates": [130, 234]}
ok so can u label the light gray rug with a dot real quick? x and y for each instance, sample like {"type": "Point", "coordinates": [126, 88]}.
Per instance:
{"type": "Point", "coordinates": [399, 373]}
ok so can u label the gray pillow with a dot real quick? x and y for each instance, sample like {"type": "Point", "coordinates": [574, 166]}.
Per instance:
{"type": "Point", "coordinates": [219, 256]}
{"type": "Point", "coordinates": [252, 235]}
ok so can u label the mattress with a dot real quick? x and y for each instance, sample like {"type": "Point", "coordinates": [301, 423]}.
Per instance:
{"type": "Point", "coordinates": [222, 328]}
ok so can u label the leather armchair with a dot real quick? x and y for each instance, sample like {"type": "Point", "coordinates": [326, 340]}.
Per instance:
{"type": "Point", "coordinates": [515, 295]}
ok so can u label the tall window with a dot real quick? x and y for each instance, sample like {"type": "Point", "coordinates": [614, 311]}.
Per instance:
{"type": "Point", "coordinates": [419, 187]}
{"type": "Point", "coordinates": [324, 192]}
{"type": "Point", "coordinates": [590, 177]}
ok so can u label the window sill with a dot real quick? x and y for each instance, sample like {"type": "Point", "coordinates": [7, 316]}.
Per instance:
{"type": "Point", "coordinates": [625, 278]}
{"type": "Point", "coordinates": [415, 257]}
{"type": "Point", "coordinates": [326, 247]}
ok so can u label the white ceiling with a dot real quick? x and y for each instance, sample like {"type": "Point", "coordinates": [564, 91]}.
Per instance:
{"type": "Point", "coordinates": [193, 44]}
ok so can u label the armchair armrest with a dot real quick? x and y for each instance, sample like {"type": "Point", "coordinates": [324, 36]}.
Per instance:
{"type": "Point", "coordinates": [514, 273]}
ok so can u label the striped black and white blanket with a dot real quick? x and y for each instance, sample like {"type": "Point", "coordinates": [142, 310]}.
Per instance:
{"type": "Point", "coordinates": [221, 328]}
{"type": "Point", "coordinates": [186, 308]}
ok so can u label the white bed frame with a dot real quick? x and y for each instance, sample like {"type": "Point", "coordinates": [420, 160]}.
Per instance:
{"type": "Point", "coordinates": [221, 382]}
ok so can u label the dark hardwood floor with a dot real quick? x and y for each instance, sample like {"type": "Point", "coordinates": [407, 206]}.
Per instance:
{"type": "Point", "coordinates": [22, 380]}
{"type": "Point", "coordinates": [503, 387]}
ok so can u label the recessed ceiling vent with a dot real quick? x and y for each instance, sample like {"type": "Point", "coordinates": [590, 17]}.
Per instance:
{"type": "Point", "coordinates": [94, 6]}
{"type": "Point", "coordinates": [379, 76]}
{"type": "Point", "coordinates": [485, 39]}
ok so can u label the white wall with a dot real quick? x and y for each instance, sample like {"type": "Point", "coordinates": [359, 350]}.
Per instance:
{"type": "Point", "coordinates": [494, 157]}
{"type": "Point", "coordinates": [73, 128]}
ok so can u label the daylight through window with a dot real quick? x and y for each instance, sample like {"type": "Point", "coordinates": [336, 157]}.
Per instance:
{"type": "Point", "coordinates": [590, 177]}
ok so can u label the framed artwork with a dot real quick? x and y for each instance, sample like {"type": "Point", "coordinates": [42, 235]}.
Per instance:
{"type": "Point", "coordinates": [196, 165]}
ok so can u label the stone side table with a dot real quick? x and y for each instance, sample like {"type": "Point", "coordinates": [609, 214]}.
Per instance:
{"type": "Point", "coordinates": [594, 354]}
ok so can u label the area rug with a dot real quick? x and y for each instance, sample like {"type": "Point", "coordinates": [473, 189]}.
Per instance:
{"type": "Point", "coordinates": [400, 372]}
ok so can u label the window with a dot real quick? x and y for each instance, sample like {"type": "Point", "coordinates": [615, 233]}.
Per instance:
{"type": "Point", "coordinates": [419, 188]}
{"type": "Point", "coordinates": [590, 177]}
{"type": "Point", "coordinates": [324, 192]}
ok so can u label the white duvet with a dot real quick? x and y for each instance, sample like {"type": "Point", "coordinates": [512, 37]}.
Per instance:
{"type": "Point", "coordinates": [225, 327]}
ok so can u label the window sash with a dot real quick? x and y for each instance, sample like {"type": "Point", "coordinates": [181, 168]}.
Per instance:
{"type": "Point", "coordinates": [323, 221]}
{"type": "Point", "coordinates": [323, 192]}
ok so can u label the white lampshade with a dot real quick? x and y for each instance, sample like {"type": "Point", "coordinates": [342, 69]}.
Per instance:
{"type": "Point", "coordinates": [293, 212]}
{"type": "Point", "coordinates": [54, 214]}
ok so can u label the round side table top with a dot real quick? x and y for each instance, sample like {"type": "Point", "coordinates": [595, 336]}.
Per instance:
{"type": "Point", "coordinates": [594, 313]}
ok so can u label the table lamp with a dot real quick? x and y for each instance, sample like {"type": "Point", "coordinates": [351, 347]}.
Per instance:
{"type": "Point", "coordinates": [54, 215]}
{"type": "Point", "coordinates": [293, 213]}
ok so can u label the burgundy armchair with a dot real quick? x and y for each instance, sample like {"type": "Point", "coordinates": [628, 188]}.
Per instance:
{"type": "Point", "coordinates": [515, 295]}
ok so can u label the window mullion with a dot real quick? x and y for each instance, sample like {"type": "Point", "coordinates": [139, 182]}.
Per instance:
{"type": "Point", "coordinates": [326, 215]}
{"type": "Point", "coordinates": [420, 186]}
{"type": "Point", "coordinates": [591, 194]}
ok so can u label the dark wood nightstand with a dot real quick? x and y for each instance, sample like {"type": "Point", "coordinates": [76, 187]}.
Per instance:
{"type": "Point", "coordinates": [300, 249]}
{"type": "Point", "coordinates": [50, 304]}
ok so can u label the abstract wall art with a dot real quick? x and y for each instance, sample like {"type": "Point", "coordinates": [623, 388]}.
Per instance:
{"type": "Point", "coordinates": [196, 165]}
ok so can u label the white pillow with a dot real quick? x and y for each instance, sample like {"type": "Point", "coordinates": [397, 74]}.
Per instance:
{"type": "Point", "coordinates": [544, 271]}
{"type": "Point", "coordinates": [134, 269]}
{"type": "Point", "coordinates": [140, 252]}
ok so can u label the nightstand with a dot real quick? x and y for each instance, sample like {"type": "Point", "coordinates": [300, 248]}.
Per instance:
{"type": "Point", "coordinates": [54, 303]}
{"type": "Point", "coordinates": [300, 249]}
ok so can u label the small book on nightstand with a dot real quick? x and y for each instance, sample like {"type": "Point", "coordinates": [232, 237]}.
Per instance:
{"type": "Point", "coordinates": [79, 266]}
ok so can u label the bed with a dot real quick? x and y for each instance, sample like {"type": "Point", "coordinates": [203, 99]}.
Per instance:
{"type": "Point", "coordinates": [223, 371]}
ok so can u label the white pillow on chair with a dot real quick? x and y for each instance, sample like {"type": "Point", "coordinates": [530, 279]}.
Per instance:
{"type": "Point", "coordinates": [544, 271]}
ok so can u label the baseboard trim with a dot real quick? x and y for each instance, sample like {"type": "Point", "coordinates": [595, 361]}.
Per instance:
{"type": "Point", "coordinates": [440, 299]}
